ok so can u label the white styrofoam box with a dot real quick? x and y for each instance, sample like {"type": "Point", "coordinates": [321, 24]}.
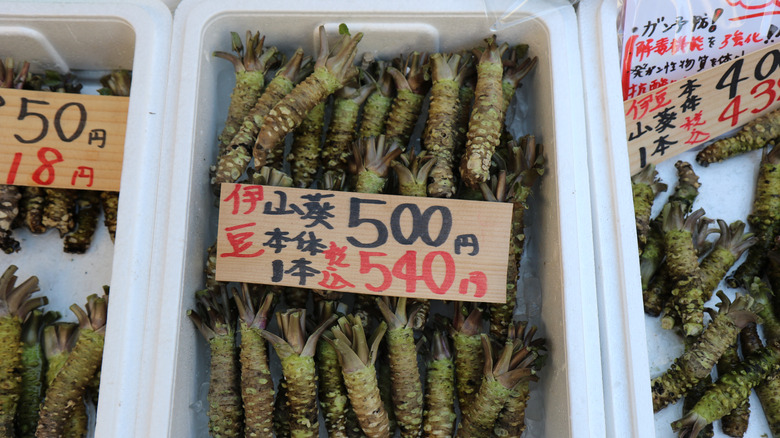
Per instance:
{"type": "Point", "coordinates": [634, 348]}
{"type": "Point", "coordinates": [557, 278]}
{"type": "Point", "coordinates": [91, 39]}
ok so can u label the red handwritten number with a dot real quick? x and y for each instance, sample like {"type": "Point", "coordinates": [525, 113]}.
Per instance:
{"type": "Point", "coordinates": [449, 272]}
{"type": "Point", "coordinates": [47, 166]}
{"type": "Point", "coordinates": [406, 269]}
{"type": "Point", "coordinates": [770, 90]}
{"type": "Point", "coordinates": [366, 266]}
{"type": "Point", "coordinates": [732, 107]}
{"type": "Point", "coordinates": [14, 168]}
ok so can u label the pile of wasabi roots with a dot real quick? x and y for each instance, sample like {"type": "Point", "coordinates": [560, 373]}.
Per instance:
{"type": "Point", "coordinates": [49, 368]}
{"type": "Point", "coordinates": [73, 213]}
{"type": "Point", "coordinates": [682, 266]}
{"type": "Point", "coordinates": [362, 365]}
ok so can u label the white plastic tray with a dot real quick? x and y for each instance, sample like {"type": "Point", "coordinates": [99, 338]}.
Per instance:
{"type": "Point", "coordinates": [92, 38]}
{"type": "Point", "coordinates": [558, 269]}
{"type": "Point", "coordinates": [634, 347]}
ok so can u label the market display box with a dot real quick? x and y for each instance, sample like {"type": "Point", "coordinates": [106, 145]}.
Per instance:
{"type": "Point", "coordinates": [634, 346]}
{"type": "Point", "coordinates": [91, 39]}
{"type": "Point", "coordinates": [556, 282]}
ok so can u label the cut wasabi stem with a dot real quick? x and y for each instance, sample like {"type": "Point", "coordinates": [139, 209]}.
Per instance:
{"type": "Point", "coordinates": [15, 305]}
{"type": "Point", "coordinates": [371, 158]}
{"type": "Point", "coordinates": [405, 375]}
{"type": "Point", "coordinates": [233, 161]}
{"type": "Point", "coordinates": [59, 210]}
{"type": "Point", "coordinates": [341, 131]}
{"type": "Point", "coordinates": [250, 63]}
{"type": "Point", "coordinates": [487, 117]}
{"type": "Point", "coordinates": [214, 319]}
{"type": "Point", "coordinates": [357, 357]}
{"type": "Point", "coordinates": [764, 220]}
{"type": "Point", "coordinates": [511, 419]}
{"type": "Point", "coordinates": [33, 371]}
{"type": "Point", "coordinates": [768, 391]}
{"type": "Point", "coordinates": [515, 71]}
{"type": "Point", "coordinates": [378, 103]}
{"type": "Point", "coordinates": [645, 186]}
{"type": "Point", "coordinates": [524, 164]}
{"type": "Point", "coordinates": [331, 72]}
{"type": "Point", "coordinates": [465, 332]}
{"type": "Point", "coordinates": [447, 74]}
{"type": "Point", "coordinates": [697, 361]}
{"type": "Point", "coordinates": [67, 389]}
{"type": "Point", "coordinates": [684, 274]}
{"type": "Point", "coordinates": [257, 386]}
{"type": "Point", "coordinates": [754, 135]}
{"type": "Point", "coordinates": [501, 375]}
{"type": "Point", "coordinates": [732, 243]}
{"type": "Point", "coordinates": [296, 352]}
{"type": "Point", "coordinates": [411, 83]}
{"type": "Point", "coordinates": [439, 415]}
{"type": "Point", "coordinates": [730, 389]}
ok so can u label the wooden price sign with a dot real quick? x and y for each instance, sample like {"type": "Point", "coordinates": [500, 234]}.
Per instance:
{"type": "Point", "coordinates": [363, 243]}
{"type": "Point", "coordinates": [672, 119]}
{"type": "Point", "coordinates": [61, 139]}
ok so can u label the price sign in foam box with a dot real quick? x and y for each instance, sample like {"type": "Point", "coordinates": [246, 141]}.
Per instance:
{"type": "Point", "coordinates": [62, 140]}
{"type": "Point", "coordinates": [364, 243]}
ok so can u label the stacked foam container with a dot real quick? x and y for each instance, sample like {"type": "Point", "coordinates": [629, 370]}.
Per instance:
{"type": "Point", "coordinates": [634, 347]}
{"type": "Point", "coordinates": [91, 39]}
{"type": "Point", "coordinates": [557, 279]}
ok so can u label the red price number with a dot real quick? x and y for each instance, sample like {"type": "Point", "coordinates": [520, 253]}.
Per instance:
{"type": "Point", "coordinates": [763, 93]}
{"type": "Point", "coordinates": [44, 174]}
{"type": "Point", "coordinates": [408, 270]}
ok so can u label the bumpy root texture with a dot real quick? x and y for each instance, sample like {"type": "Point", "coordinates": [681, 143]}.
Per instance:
{"type": "Point", "coordinates": [764, 220]}
{"type": "Point", "coordinates": [698, 360]}
{"type": "Point", "coordinates": [330, 74]}
{"type": "Point", "coordinates": [730, 390]}
{"type": "Point", "coordinates": [67, 389]}
{"type": "Point", "coordinates": [439, 413]}
{"type": "Point", "coordinates": [405, 375]}
{"type": "Point", "coordinates": [31, 209]}
{"type": "Point", "coordinates": [341, 131]}
{"type": "Point", "coordinates": [250, 63]}
{"type": "Point", "coordinates": [109, 201]}
{"type": "Point", "coordinates": [59, 210]}
{"type": "Point", "coordinates": [734, 423]}
{"type": "Point", "coordinates": [9, 209]}
{"type": "Point", "coordinates": [88, 211]}
{"type": "Point", "coordinates": [645, 186]}
{"type": "Point", "coordinates": [257, 386]}
{"type": "Point", "coordinates": [439, 135]}
{"type": "Point", "coordinates": [683, 265]}
{"type": "Point", "coordinates": [15, 305]}
{"type": "Point", "coordinates": [501, 375]}
{"type": "Point", "coordinates": [214, 319]}
{"type": "Point", "coordinates": [357, 357]}
{"type": "Point", "coordinates": [412, 83]}
{"type": "Point", "coordinates": [487, 117]}
{"type": "Point", "coordinates": [296, 352]}
{"type": "Point", "coordinates": [732, 243]}
{"type": "Point", "coordinates": [467, 344]}
{"type": "Point", "coordinates": [753, 135]}
{"type": "Point", "coordinates": [768, 391]}
{"type": "Point", "coordinates": [378, 103]}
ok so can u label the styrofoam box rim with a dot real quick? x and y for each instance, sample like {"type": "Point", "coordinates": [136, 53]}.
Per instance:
{"type": "Point", "coordinates": [621, 315]}
{"type": "Point", "coordinates": [128, 325]}
{"type": "Point", "coordinates": [581, 401]}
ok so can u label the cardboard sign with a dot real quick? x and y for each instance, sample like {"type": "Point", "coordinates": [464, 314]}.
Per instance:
{"type": "Point", "coordinates": [363, 243]}
{"type": "Point", "coordinates": [61, 139]}
{"type": "Point", "coordinates": [672, 119]}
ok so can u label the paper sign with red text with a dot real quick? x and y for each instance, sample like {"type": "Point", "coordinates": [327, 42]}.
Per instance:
{"type": "Point", "coordinates": [363, 243]}
{"type": "Point", "coordinates": [63, 140]}
{"type": "Point", "coordinates": [672, 119]}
